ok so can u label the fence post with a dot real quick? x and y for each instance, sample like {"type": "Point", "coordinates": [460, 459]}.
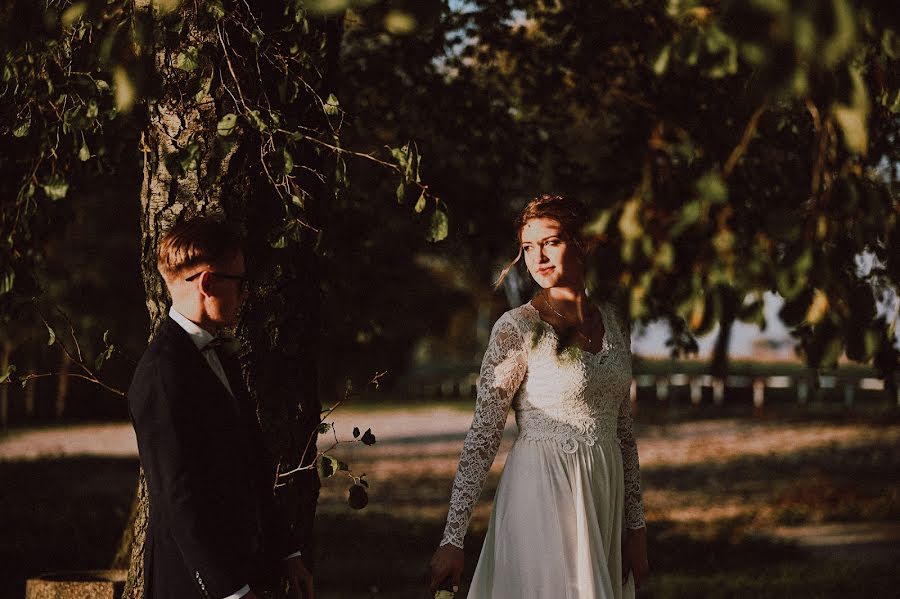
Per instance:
{"type": "Point", "coordinates": [718, 386]}
{"type": "Point", "coordinates": [662, 388]}
{"type": "Point", "coordinates": [696, 390]}
{"type": "Point", "coordinates": [849, 393]}
{"type": "Point", "coordinates": [802, 390]}
{"type": "Point", "coordinates": [759, 393]}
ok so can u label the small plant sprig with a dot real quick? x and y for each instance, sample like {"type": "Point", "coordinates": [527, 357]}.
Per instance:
{"type": "Point", "coordinates": [88, 372]}
{"type": "Point", "coordinates": [328, 465]}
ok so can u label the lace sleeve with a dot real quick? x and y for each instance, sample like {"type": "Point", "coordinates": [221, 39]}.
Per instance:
{"type": "Point", "coordinates": [502, 371]}
{"type": "Point", "coordinates": [634, 506]}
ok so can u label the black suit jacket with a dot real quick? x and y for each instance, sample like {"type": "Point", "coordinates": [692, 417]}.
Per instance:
{"type": "Point", "coordinates": [213, 526]}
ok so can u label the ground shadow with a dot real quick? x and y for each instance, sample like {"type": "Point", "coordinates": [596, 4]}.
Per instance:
{"type": "Point", "coordinates": [61, 514]}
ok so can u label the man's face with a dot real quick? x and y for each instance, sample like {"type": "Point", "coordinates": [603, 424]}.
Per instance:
{"type": "Point", "coordinates": [225, 288]}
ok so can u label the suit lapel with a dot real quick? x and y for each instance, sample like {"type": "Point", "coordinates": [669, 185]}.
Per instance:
{"type": "Point", "coordinates": [193, 357]}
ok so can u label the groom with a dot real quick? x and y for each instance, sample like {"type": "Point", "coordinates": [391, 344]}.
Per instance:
{"type": "Point", "coordinates": [212, 530]}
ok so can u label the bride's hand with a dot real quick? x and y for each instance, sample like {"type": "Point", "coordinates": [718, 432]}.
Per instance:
{"type": "Point", "coordinates": [447, 562]}
{"type": "Point", "coordinates": [634, 556]}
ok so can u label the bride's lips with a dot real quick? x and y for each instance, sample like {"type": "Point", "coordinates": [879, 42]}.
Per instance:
{"type": "Point", "coordinates": [546, 270]}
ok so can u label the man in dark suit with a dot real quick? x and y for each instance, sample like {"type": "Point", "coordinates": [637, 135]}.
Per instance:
{"type": "Point", "coordinates": [213, 529]}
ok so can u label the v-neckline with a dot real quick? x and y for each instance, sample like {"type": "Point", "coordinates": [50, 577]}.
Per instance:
{"type": "Point", "coordinates": [604, 344]}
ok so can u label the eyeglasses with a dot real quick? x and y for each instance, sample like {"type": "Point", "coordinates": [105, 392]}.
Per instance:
{"type": "Point", "coordinates": [242, 280]}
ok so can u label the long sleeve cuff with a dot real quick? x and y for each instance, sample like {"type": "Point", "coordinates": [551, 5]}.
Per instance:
{"type": "Point", "coordinates": [240, 592]}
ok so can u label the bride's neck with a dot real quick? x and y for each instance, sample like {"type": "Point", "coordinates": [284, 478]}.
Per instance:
{"type": "Point", "coordinates": [568, 301]}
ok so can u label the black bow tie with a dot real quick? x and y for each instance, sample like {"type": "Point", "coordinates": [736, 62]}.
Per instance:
{"type": "Point", "coordinates": [214, 344]}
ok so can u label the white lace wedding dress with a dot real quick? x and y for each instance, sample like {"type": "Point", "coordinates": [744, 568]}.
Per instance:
{"type": "Point", "coordinates": [571, 482]}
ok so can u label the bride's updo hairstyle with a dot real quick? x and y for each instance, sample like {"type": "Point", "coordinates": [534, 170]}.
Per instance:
{"type": "Point", "coordinates": [568, 212]}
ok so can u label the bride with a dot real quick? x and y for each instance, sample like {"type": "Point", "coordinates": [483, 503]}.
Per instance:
{"type": "Point", "coordinates": [568, 517]}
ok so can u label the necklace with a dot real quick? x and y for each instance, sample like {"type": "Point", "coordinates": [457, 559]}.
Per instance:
{"type": "Point", "coordinates": [555, 311]}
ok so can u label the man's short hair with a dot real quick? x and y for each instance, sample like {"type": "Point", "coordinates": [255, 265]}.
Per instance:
{"type": "Point", "coordinates": [198, 240]}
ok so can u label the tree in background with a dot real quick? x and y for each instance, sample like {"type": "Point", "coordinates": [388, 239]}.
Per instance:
{"type": "Point", "coordinates": [725, 148]}
{"type": "Point", "coordinates": [230, 107]}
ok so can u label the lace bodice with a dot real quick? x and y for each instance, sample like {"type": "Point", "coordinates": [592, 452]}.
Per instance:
{"type": "Point", "coordinates": [572, 398]}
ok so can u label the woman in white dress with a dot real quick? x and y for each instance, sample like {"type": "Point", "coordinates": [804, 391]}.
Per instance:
{"type": "Point", "coordinates": [568, 519]}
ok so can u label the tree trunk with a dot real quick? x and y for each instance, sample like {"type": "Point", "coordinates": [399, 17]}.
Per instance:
{"type": "Point", "coordinates": [279, 324]}
{"type": "Point", "coordinates": [62, 386]}
{"type": "Point", "coordinates": [5, 357]}
{"type": "Point", "coordinates": [31, 386]}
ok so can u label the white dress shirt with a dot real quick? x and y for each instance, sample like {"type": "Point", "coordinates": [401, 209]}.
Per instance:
{"type": "Point", "coordinates": [201, 338]}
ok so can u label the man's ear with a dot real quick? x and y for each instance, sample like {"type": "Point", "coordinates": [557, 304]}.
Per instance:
{"type": "Point", "coordinates": [205, 283]}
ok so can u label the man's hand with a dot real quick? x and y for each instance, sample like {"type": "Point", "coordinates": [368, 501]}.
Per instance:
{"type": "Point", "coordinates": [634, 556]}
{"type": "Point", "coordinates": [447, 562]}
{"type": "Point", "coordinates": [300, 579]}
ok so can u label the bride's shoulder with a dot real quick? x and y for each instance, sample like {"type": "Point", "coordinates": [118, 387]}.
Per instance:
{"type": "Point", "coordinates": [519, 317]}
{"type": "Point", "coordinates": [520, 314]}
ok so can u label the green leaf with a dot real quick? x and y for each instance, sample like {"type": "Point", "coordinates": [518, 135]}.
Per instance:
{"type": "Point", "coordinates": [421, 203]}
{"type": "Point", "coordinates": [8, 375]}
{"type": "Point", "coordinates": [227, 124]}
{"type": "Point", "coordinates": [288, 161]}
{"type": "Point", "coordinates": [125, 92]}
{"type": "Point", "coordinates": [689, 214]}
{"type": "Point", "coordinates": [188, 157]}
{"type": "Point", "coordinates": [84, 154]}
{"type": "Point", "coordinates": [439, 227]}
{"type": "Point", "coordinates": [401, 155]}
{"type": "Point", "coordinates": [401, 192]}
{"type": "Point", "coordinates": [92, 109]}
{"type": "Point", "coordinates": [56, 188]}
{"type": "Point", "coordinates": [630, 221]}
{"type": "Point", "coordinates": [665, 256]}
{"type": "Point", "coordinates": [852, 117]}
{"type": "Point", "coordinates": [298, 202]}
{"type": "Point", "coordinates": [215, 9]}
{"type": "Point", "coordinates": [257, 121]}
{"type": "Point", "coordinates": [331, 106]}
{"type": "Point", "coordinates": [73, 14]}
{"type": "Point", "coordinates": [257, 36]}
{"type": "Point", "coordinates": [662, 60]}
{"type": "Point", "coordinates": [327, 466]}
{"type": "Point", "coordinates": [355, 432]}
{"type": "Point", "coordinates": [327, 6]}
{"type": "Point", "coordinates": [399, 22]}
{"type": "Point", "coordinates": [323, 428]}
{"type": "Point", "coordinates": [164, 7]}
{"type": "Point", "coordinates": [52, 335]}
{"type": "Point", "coordinates": [712, 189]}
{"type": "Point", "coordinates": [188, 59]}
{"type": "Point", "coordinates": [368, 438]}
{"type": "Point", "coordinates": [203, 89]}
{"type": "Point", "coordinates": [23, 127]}
{"type": "Point", "coordinates": [7, 281]}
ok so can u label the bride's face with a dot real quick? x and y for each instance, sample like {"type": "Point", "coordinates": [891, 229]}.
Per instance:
{"type": "Point", "coordinates": [551, 258]}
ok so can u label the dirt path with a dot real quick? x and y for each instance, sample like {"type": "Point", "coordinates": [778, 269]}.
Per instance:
{"type": "Point", "coordinates": [418, 447]}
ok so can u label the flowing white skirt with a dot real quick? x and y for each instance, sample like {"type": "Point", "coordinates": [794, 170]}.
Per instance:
{"type": "Point", "coordinates": [556, 527]}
